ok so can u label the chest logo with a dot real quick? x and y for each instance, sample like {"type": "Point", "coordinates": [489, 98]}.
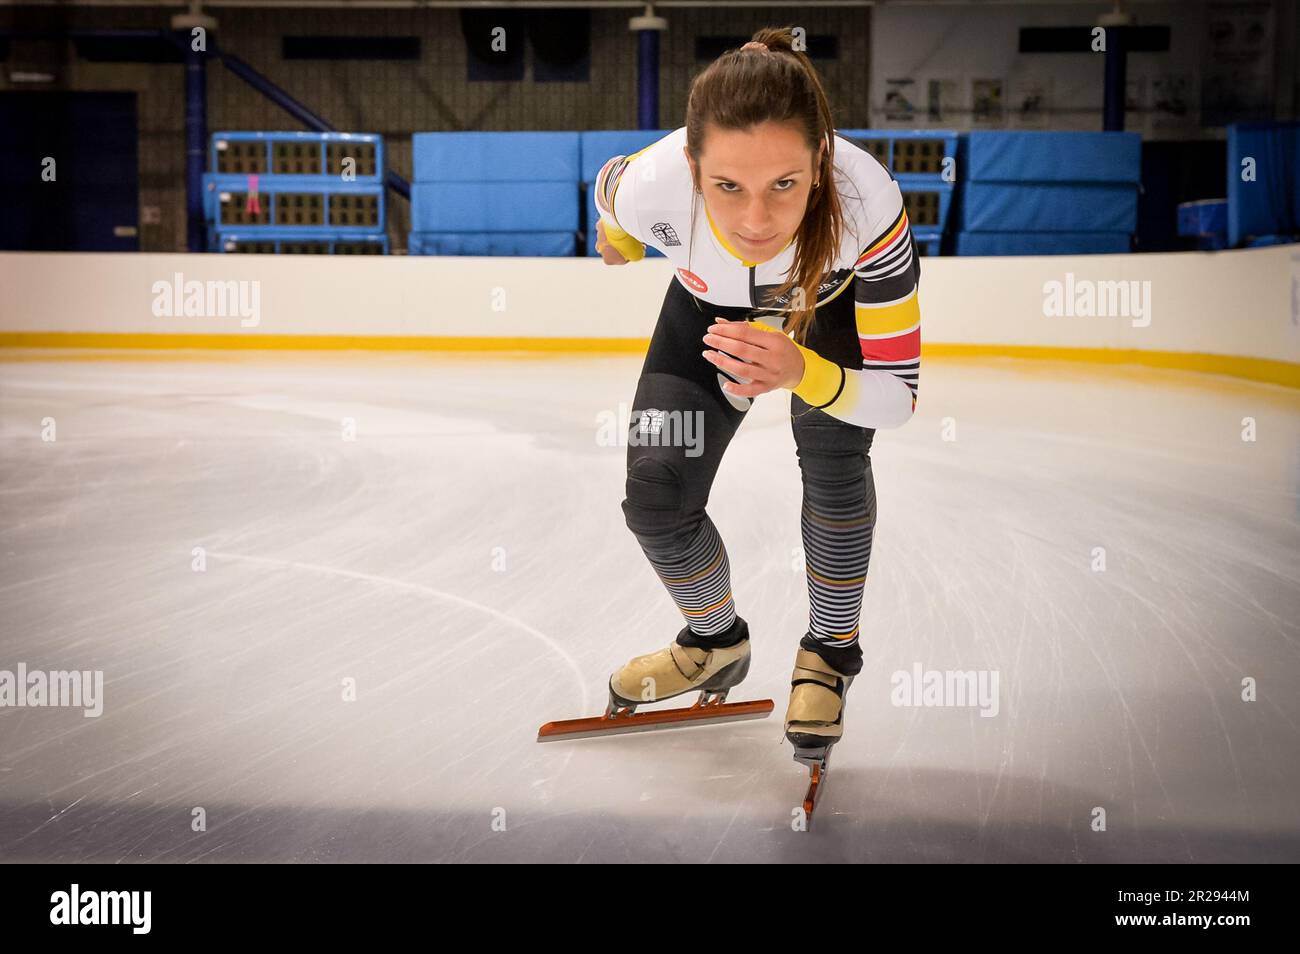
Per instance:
{"type": "Point", "coordinates": [665, 233]}
{"type": "Point", "coordinates": [692, 281]}
{"type": "Point", "coordinates": [823, 290]}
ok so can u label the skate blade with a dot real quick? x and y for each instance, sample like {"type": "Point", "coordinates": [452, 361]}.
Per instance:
{"type": "Point", "coordinates": [815, 785]}
{"type": "Point", "coordinates": [664, 718]}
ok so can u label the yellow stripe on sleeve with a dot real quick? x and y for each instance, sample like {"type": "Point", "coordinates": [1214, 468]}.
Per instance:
{"type": "Point", "coordinates": [888, 319]}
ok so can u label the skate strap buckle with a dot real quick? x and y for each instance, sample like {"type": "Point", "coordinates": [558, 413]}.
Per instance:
{"type": "Point", "coordinates": [686, 664]}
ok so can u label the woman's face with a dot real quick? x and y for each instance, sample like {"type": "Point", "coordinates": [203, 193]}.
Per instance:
{"type": "Point", "coordinates": [756, 185]}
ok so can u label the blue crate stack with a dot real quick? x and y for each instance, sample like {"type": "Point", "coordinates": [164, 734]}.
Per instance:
{"type": "Point", "coordinates": [303, 202]}
{"type": "Point", "coordinates": [923, 162]}
{"type": "Point", "coordinates": [495, 193]}
{"type": "Point", "coordinates": [1047, 193]}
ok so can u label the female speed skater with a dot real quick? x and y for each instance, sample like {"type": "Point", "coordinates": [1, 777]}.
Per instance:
{"type": "Point", "coordinates": [755, 200]}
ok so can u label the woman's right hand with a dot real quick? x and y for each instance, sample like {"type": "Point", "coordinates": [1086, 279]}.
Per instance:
{"type": "Point", "coordinates": [608, 253]}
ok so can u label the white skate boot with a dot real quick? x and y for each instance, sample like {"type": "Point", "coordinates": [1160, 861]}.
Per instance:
{"type": "Point", "coordinates": [710, 666]}
{"type": "Point", "coordinates": [682, 668]}
{"type": "Point", "coordinates": [814, 720]}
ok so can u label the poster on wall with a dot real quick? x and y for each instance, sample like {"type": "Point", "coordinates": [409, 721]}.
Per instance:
{"type": "Point", "coordinates": [900, 100]}
{"type": "Point", "coordinates": [1237, 74]}
{"type": "Point", "coordinates": [941, 101]}
{"type": "Point", "coordinates": [1030, 102]}
{"type": "Point", "coordinates": [1171, 104]}
{"type": "Point", "coordinates": [1136, 109]}
{"type": "Point", "coordinates": [986, 103]}
{"type": "Point", "coordinates": [1135, 94]}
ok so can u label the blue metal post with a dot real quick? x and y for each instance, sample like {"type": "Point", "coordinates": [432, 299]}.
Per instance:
{"type": "Point", "coordinates": [647, 78]}
{"type": "Point", "coordinates": [1113, 109]}
{"type": "Point", "coordinates": [276, 95]}
{"type": "Point", "coordinates": [298, 111]}
{"type": "Point", "coordinates": [196, 140]}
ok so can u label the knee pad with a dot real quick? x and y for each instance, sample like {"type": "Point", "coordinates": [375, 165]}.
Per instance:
{"type": "Point", "coordinates": [654, 496]}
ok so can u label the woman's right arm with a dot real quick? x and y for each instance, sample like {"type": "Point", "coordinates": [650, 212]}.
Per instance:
{"type": "Point", "coordinates": [616, 245]}
{"type": "Point", "coordinates": [608, 252]}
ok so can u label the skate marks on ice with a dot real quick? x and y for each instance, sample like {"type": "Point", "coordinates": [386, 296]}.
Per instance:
{"type": "Point", "coordinates": [1119, 688]}
{"type": "Point", "coordinates": [885, 830]}
{"type": "Point", "coordinates": [423, 590]}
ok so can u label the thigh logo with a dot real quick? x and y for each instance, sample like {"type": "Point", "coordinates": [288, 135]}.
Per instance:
{"type": "Point", "coordinates": [651, 427]}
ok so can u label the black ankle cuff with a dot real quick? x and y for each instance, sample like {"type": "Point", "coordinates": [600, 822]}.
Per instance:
{"type": "Point", "coordinates": [845, 659]}
{"type": "Point", "coordinates": [738, 631]}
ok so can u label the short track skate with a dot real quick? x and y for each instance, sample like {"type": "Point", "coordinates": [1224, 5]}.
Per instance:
{"type": "Point", "coordinates": [709, 709]}
{"type": "Point", "coordinates": [816, 692]}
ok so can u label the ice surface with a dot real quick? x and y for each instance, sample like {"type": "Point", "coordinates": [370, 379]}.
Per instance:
{"type": "Point", "coordinates": [465, 562]}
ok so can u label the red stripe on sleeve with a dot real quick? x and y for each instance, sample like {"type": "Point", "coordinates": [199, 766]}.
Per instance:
{"type": "Point", "coordinates": [896, 348]}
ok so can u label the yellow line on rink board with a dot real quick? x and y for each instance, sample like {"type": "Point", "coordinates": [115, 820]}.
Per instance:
{"type": "Point", "coordinates": [191, 347]}
{"type": "Point", "coordinates": [1263, 370]}
{"type": "Point", "coordinates": [262, 342]}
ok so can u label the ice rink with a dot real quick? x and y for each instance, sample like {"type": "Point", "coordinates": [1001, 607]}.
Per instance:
{"type": "Point", "coordinates": [1102, 538]}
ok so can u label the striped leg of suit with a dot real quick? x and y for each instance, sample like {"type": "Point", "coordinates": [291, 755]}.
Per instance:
{"type": "Point", "coordinates": [695, 571]}
{"type": "Point", "coordinates": [837, 524]}
{"type": "Point", "coordinates": [837, 527]}
{"type": "Point", "coordinates": [668, 487]}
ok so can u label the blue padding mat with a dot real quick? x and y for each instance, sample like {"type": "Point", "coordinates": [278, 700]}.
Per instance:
{"type": "Point", "coordinates": [597, 148]}
{"type": "Point", "coordinates": [538, 244]}
{"type": "Point", "coordinates": [1203, 217]}
{"type": "Point", "coordinates": [1042, 243]}
{"type": "Point", "coordinates": [494, 207]}
{"type": "Point", "coordinates": [495, 156]}
{"type": "Point", "coordinates": [1257, 241]}
{"type": "Point", "coordinates": [1270, 205]}
{"type": "Point", "coordinates": [1026, 156]}
{"type": "Point", "coordinates": [1034, 207]}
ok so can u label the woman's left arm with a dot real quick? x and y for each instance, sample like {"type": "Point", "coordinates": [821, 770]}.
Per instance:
{"type": "Point", "coordinates": [880, 395]}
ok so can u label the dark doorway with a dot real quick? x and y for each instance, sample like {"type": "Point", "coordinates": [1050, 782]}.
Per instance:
{"type": "Point", "coordinates": [92, 205]}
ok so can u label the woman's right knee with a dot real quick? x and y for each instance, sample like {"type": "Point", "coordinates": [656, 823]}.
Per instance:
{"type": "Point", "coordinates": [655, 497]}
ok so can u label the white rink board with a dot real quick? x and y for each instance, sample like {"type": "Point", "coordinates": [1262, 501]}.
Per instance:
{"type": "Point", "coordinates": [1240, 302]}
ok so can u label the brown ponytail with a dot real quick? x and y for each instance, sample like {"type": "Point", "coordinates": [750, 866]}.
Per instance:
{"type": "Point", "coordinates": [745, 87]}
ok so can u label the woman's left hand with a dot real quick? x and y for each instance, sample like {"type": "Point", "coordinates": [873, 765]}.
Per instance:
{"type": "Point", "coordinates": [770, 358]}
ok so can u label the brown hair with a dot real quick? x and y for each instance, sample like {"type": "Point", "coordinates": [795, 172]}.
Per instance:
{"type": "Point", "coordinates": [745, 87]}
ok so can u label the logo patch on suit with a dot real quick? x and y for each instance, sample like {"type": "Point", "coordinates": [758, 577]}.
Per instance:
{"type": "Point", "coordinates": [834, 281]}
{"type": "Point", "coordinates": [692, 281]}
{"type": "Point", "coordinates": [665, 233]}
